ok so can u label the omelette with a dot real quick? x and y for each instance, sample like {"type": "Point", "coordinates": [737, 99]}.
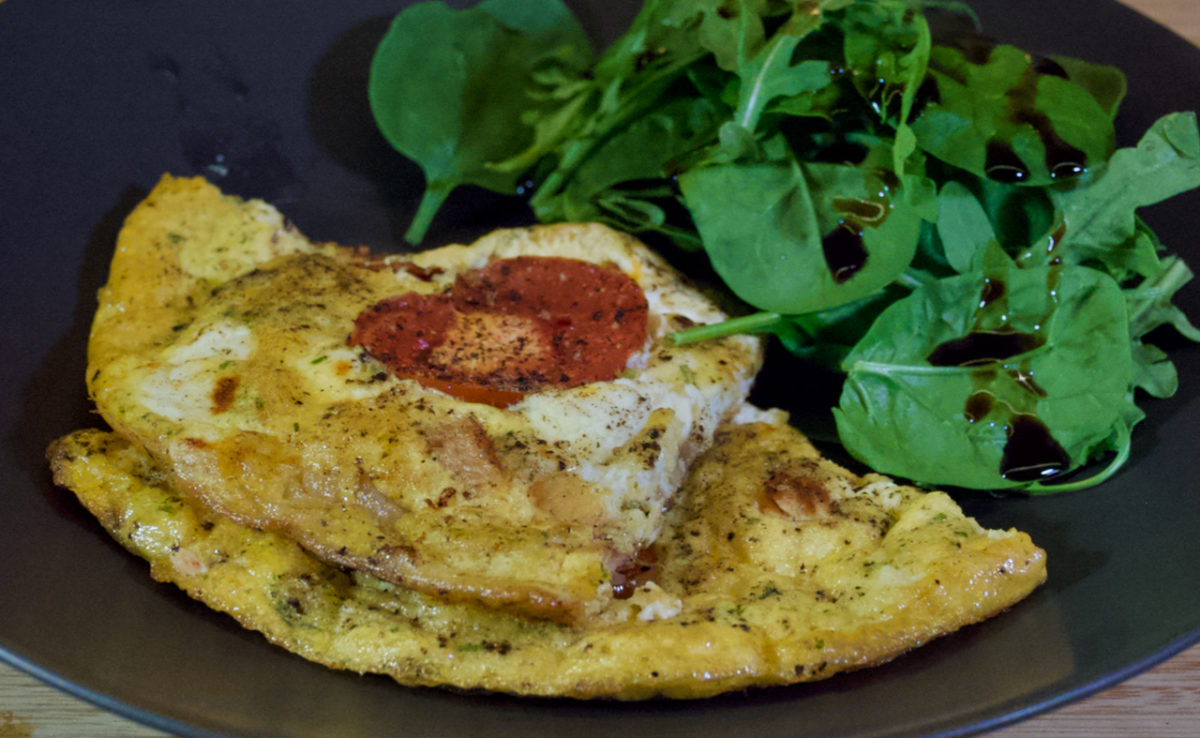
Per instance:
{"type": "Point", "coordinates": [485, 466]}
{"type": "Point", "coordinates": [775, 567]}
{"type": "Point", "coordinates": [502, 423]}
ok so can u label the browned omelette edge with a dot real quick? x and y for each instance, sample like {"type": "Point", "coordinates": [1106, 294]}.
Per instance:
{"type": "Point", "coordinates": [326, 615]}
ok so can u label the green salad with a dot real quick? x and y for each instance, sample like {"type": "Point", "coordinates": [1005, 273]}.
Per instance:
{"type": "Point", "coordinates": [945, 220]}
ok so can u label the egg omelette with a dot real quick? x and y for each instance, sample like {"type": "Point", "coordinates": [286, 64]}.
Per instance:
{"type": "Point", "coordinates": [277, 382]}
{"type": "Point", "coordinates": [751, 560]}
{"type": "Point", "coordinates": [775, 567]}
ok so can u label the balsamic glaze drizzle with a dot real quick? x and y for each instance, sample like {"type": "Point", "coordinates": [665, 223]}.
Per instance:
{"type": "Point", "coordinates": [845, 253]}
{"type": "Point", "coordinates": [1030, 452]}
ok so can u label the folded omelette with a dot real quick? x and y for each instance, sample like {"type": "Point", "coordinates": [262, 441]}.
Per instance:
{"type": "Point", "coordinates": [486, 466]}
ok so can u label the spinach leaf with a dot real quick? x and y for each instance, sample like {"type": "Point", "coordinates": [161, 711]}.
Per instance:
{"type": "Point", "coordinates": [1034, 383]}
{"type": "Point", "coordinates": [792, 238]}
{"type": "Point", "coordinates": [1020, 215]}
{"type": "Point", "coordinates": [446, 88]}
{"type": "Point", "coordinates": [759, 227]}
{"type": "Point", "coordinates": [962, 226]}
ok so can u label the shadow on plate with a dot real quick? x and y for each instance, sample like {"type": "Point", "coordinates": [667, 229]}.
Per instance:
{"type": "Point", "coordinates": [55, 399]}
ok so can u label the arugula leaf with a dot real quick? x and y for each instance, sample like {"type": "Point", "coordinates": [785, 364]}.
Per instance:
{"type": "Point", "coordinates": [1032, 385]}
{"type": "Point", "coordinates": [445, 88]}
{"type": "Point", "coordinates": [1097, 218]}
{"type": "Point", "coordinates": [1149, 305]}
{"type": "Point", "coordinates": [624, 182]}
{"type": "Point", "coordinates": [893, 43]}
{"type": "Point", "coordinates": [630, 79]}
{"type": "Point", "coordinates": [730, 32]}
{"type": "Point", "coordinates": [767, 72]}
{"type": "Point", "coordinates": [1014, 118]}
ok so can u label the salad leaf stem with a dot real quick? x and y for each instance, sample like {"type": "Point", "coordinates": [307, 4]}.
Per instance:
{"type": "Point", "coordinates": [763, 322]}
{"type": "Point", "coordinates": [912, 279]}
{"type": "Point", "coordinates": [431, 201]}
{"type": "Point", "coordinates": [1143, 315]}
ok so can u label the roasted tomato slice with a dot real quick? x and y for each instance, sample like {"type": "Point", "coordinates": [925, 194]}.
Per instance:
{"type": "Point", "coordinates": [515, 326]}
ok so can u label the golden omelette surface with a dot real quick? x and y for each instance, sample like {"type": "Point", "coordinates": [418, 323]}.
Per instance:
{"type": "Point", "coordinates": [776, 567]}
{"type": "Point", "coordinates": [220, 348]}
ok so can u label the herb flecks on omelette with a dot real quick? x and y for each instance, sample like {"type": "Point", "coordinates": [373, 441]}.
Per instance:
{"type": "Point", "coordinates": [630, 528]}
{"type": "Point", "coordinates": [270, 377]}
{"type": "Point", "coordinates": [736, 597]}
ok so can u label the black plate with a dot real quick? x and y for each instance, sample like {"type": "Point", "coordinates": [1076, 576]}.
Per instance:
{"type": "Point", "coordinates": [267, 99]}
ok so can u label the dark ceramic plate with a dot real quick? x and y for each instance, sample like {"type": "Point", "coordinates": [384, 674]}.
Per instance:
{"type": "Point", "coordinates": [266, 99]}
